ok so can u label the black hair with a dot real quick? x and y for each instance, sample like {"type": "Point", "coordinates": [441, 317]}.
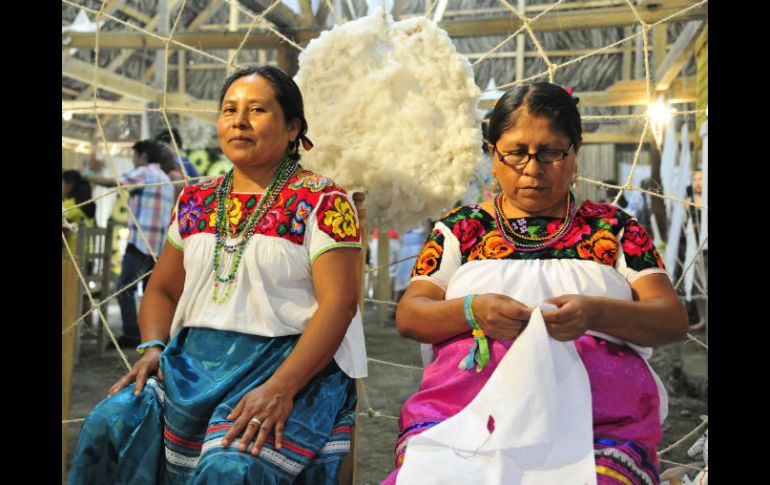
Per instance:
{"type": "Point", "coordinates": [153, 150]}
{"type": "Point", "coordinates": [165, 137]}
{"type": "Point", "coordinates": [287, 95]}
{"type": "Point", "coordinates": [540, 99]}
{"type": "Point", "coordinates": [80, 190]}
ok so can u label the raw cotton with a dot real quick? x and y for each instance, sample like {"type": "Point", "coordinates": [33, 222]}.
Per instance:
{"type": "Point", "coordinates": [391, 110]}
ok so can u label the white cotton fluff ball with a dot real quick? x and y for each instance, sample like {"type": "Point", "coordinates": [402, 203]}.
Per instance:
{"type": "Point", "coordinates": [391, 111]}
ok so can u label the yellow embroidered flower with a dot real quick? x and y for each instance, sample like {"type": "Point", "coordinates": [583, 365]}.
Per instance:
{"type": "Point", "coordinates": [234, 206]}
{"type": "Point", "coordinates": [342, 220]}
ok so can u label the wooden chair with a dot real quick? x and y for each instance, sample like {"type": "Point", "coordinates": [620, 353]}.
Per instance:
{"type": "Point", "coordinates": [94, 250]}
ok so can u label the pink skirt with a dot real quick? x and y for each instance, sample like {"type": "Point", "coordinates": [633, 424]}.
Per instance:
{"type": "Point", "coordinates": [626, 416]}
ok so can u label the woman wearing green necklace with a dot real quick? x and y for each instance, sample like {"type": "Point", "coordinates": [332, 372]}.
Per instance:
{"type": "Point", "coordinates": [257, 291]}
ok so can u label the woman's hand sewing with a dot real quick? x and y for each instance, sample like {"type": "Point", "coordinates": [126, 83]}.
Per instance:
{"type": "Point", "coordinates": [147, 365]}
{"type": "Point", "coordinates": [500, 316]}
{"type": "Point", "coordinates": [259, 412]}
{"type": "Point", "coordinates": [572, 317]}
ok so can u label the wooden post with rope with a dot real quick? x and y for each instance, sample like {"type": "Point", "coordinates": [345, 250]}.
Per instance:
{"type": "Point", "coordinates": [69, 304]}
{"type": "Point", "coordinates": [349, 465]}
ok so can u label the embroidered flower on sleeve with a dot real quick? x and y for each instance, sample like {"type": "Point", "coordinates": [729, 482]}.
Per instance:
{"type": "Point", "coordinates": [429, 259]}
{"type": "Point", "coordinates": [190, 213]}
{"type": "Point", "coordinates": [602, 248]}
{"type": "Point", "coordinates": [337, 219]}
{"type": "Point", "coordinates": [636, 241]}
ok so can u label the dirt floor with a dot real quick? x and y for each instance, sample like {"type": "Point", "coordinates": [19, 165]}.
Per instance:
{"type": "Point", "coordinates": [682, 367]}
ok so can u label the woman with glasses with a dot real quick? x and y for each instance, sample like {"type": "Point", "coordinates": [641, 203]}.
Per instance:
{"type": "Point", "coordinates": [485, 267]}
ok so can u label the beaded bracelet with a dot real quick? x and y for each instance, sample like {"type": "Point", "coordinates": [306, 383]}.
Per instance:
{"type": "Point", "coordinates": [480, 349]}
{"type": "Point", "coordinates": [142, 348]}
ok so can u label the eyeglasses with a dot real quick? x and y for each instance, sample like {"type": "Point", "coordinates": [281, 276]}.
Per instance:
{"type": "Point", "coordinates": [520, 158]}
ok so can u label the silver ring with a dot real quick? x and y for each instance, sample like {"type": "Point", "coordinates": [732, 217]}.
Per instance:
{"type": "Point", "coordinates": [256, 421]}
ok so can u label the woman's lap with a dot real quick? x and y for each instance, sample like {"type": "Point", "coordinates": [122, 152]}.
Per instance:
{"type": "Point", "coordinates": [170, 433]}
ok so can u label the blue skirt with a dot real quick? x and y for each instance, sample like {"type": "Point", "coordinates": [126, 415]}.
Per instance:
{"type": "Point", "coordinates": [170, 433]}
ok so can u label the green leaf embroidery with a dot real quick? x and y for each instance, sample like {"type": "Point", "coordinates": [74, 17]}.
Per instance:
{"type": "Point", "coordinates": [202, 224]}
{"type": "Point", "coordinates": [288, 213]}
{"type": "Point", "coordinates": [282, 229]}
{"type": "Point", "coordinates": [533, 230]}
{"type": "Point", "coordinates": [251, 202]}
{"type": "Point", "coordinates": [210, 199]}
{"type": "Point", "coordinates": [290, 200]}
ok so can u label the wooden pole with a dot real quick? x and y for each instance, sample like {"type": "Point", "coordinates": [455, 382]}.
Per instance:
{"type": "Point", "coordinates": [383, 288]}
{"type": "Point", "coordinates": [69, 295]}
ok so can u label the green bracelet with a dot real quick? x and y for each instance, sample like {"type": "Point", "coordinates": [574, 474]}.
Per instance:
{"type": "Point", "coordinates": [142, 348]}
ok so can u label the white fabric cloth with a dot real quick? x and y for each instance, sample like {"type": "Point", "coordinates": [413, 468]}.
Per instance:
{"type": "Point", "coordinates": [543, 432]}
{"type": "Point", "coordinates": [273, 292]}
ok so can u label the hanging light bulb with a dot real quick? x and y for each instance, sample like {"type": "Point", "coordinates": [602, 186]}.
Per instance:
{"type": "Point", "coordinates": [66, 115]}
{"type": "Point", "coordinates": [659, 114]}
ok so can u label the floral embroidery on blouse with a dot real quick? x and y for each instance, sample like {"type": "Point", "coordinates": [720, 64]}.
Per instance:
{"type": "Point", "coordinates": [287, 218]}
{"type": "Point", "coordinates": [429, 259]}
{"type": "Point", "coordinates": [337, 218]}
{"type": "Point", "coordinates": [598, 233]}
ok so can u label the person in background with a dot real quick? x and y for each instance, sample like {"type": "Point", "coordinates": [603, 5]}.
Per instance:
{"type": "Point", "coordinates": [152, 206]}
{"type": "Point", "coordinates": [75, 190]}
{"type": "Point", "coordinates": [165, 138]}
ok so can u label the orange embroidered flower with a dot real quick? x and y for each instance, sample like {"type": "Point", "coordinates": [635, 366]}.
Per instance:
{"type": "Point", "coordinates": [492, 246]}
{"type": "Point", "coordinates": [429, 259]}
{"type": "Point", "coordinates": [602, 248]}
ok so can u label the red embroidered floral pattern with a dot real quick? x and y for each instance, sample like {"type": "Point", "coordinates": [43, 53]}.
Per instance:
{"type": "Point", "coordinates": [337, 218]}
{"type": "Point", "coordinates": [196, 211]}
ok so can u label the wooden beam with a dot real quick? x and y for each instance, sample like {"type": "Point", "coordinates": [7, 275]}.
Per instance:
{"type": "Point", "coordinates": [321, 14]}
{"type": "Point", "coordinates": [70, 91]}
{"type": "Point", "coordinates": [308, 19]}
{"type": "Point", "coordinates": [84, 72]}
{"type": "Point", "coordinates": [134, 13]}
{"type": "Point", "coordinates": [281, 14]}
{"type": "Point", "coordinates": [124, 55]}
{"type": "Point", "coordinates": [628, 93]}
{"type": "Point", "coordinates": [682, 49]}
{"type": "Point", "coordinates": [520, 46]}
{"type": "Point", "coordinates": [103, 106]}
{"type": "Point", "coordinates": [204, 15]}
{"type": "Point", "coordinates": [199, 40]}
{"type": "Point", "coordinates": [621, 138]}
{"type": "Point", "coordinates": [182, 72]}
{"type": "Point", "coordinates": [575, 19]}
{"type": "Point", "coordinates": [550, 54]}
{"type": "Point", "coordinates": [634, 93]}
{"type": "Point", "coordinates": [659, 43]}
{"type": "Point", "coordinates": [627, 50]}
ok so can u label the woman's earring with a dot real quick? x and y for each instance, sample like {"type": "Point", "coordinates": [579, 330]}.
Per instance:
{"type": "Point", "coordinates": [293, 147]}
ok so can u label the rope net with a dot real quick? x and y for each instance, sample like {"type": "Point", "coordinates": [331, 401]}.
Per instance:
{"type": "Point", "coordinates": [259, 24]}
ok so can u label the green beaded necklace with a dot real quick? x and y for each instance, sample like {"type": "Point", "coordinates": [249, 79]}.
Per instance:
{"type": "Point", "coordinates": [285, 171]}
